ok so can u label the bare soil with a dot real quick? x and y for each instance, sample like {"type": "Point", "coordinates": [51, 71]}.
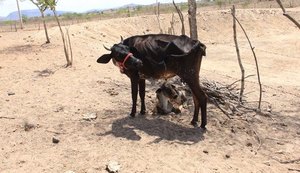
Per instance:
{"type": "Point", "coordinates": [40, 99]}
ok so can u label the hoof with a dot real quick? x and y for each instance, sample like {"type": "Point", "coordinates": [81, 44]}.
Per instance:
{"type": "Point", "coordinates": [132, 115]}
{"type": "Point", "coordinates": [143, 112]}
{"type": "Point", "coordinates": [194, 123]}
{"type": "Point", "coordinates": [203, 126]}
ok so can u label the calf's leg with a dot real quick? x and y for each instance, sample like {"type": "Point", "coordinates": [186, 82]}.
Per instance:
{"type": "Point", "coordinates": [142, 87]}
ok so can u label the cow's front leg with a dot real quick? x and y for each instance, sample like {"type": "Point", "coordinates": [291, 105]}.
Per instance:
{"type": "Point", "coordinates": [142, 87]}
{"type": "Point", "coordinates": [134, 92]}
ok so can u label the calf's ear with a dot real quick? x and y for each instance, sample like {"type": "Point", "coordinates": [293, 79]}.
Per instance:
{"type": "Point", "coordinates": [104, 59]}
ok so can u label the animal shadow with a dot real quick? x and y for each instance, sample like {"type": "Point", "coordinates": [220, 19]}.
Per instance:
{"type": "Point", "coordinates": [162, 129]}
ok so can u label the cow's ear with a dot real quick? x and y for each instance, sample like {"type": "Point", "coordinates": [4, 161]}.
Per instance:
{"type": "Point", "coordinates": [104, 59]}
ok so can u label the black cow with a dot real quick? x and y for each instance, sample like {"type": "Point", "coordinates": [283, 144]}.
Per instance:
{"type": "Point", "coordinates": [160, 56]}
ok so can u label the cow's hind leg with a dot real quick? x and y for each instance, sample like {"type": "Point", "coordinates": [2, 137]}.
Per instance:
{"type": "Point", "coordinates": [142, 87]}
{"type": "Point", "coordinates": [200, 101]}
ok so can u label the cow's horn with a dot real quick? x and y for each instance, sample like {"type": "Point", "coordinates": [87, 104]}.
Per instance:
{"type": "Point", "coordinates": [106, 48]}
{"type": "Point", "coordinates": [122, 39]}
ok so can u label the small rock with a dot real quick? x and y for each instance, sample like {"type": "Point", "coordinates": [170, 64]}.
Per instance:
{"type": "Point", "coordinates": [55, 140]}
{"type": "Point", "coordinates": [267, 163]}
{"type": "Point", "coordinates": [10, 93]}
{"type": "Point", "coordinates": [280, 143]}
{"type": "Point", "coordinates": [69, 172]}
{"type": "Point", "coordinates": [227, 156]}
{"type": "Point", "coordinates": [113, 167]}
{"type": "Point", "coordinates": [28, 126]}
{"type": "Point", "coordinates": [279, 152]}
{"type": "Point", "coordinates": [249, 144]}
{"type": "Point", "coordinates": [90, 116]}
{"type": "Point", "coordinates": [205, 151]}
{"type": "Point", "coordinates": [269, 109]}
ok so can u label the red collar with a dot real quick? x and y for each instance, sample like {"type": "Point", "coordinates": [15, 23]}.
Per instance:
{"type": "Point", "coordinates": [121, 65]}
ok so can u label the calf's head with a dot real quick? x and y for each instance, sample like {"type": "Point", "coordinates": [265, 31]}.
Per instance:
{"type": "Point", "coordinates": [170, 92]}
{"type": "Point", "coordinates": [122, 57]}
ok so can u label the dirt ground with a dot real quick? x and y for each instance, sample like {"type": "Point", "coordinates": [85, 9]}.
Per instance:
{"type": "Point", "coordinates": [39, 99]}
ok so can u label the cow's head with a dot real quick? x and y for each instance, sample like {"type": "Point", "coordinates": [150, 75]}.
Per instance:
{"type": "Point", "coordinates": [122, 57]}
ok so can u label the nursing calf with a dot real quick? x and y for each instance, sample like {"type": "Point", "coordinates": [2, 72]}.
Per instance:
{"type": "Point", "coordinates": [160, 56]}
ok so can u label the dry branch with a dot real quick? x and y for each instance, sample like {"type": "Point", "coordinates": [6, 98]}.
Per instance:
{"type": "Point", "coordinates": [225, 98]}
{"type": "Point", "coordinates": [69, 45]}
{"type": "Point", "coordinates": [287, 15]}
{"type": "Point", "coordinates": [293, 169]}
{"type": "Point", "coordinates": [238, 56]}
{"type": "Point", "coordinates": [180, 17]}
{"type": "Point", "coordinates": [157, 16]}
{"type": "Point", "coordinates": [10, 118]}
{"type": "Point", "coordinates": [172, 22]}
{"type": "Point", "coordinates": [287, 161]}
{"type": "Point", "coordinates": [192, 19]}
{"type": "Point", "coordinates": [256, 63]}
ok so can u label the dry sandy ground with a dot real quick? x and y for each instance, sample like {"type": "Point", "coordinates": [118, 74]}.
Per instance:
{"type": "Point", "coordinates": [37, 91]}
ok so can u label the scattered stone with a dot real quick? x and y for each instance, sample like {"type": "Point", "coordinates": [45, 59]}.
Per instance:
{"type": "Point", "coordinates": [113, 167]}
{"type": "Point", "coordinates": [59, 109]}
{"type": "Point", "coordinates": [111, 91]}
{"type": "Point", "coordinates": [249, 144]}
{"type": "Point", "coordinates": [231, 143]}
{"type": "Point", "coordinates": [227, 156]}
{"type": "Point", "coordinates": [205, 151]}
{"type": "Point", "coordinates": [28, 126]}
{"type": "Point", "coordinates": [279, 152]}
{"type": "Point", "coordinates": [269, 109]}
{"type": "Point", "coordinates": [280, 143]}
{"type": "Point", "coordinates": [90, 116]}
{"type": "Point", "coordinates": [44, 73]}
{"type": "Point", "coordinates": [69, 172]}
{"type": "Point", "coordinates": [55, 140]}
{"type": "Point", "coordinates": [267, 163]}
{"type": "Point", "coordinates": [10, 93]}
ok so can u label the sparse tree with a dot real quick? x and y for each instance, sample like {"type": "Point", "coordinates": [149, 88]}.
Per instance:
{"type": "Point", "coordinates": [42, 8]}
{"type": "Point", "coordinates": [51, 4]}
{"type": "Point", "coordinates": [20, 14]}
{"type": "Point", "coordinates": [180, 17]}
{"type": "Point", "coordinates": [255, 59]}
{"type": "Point", "coordinates": [157, 11]}
{"type": "Point", "coordinates": [287, 15]}
{"type": "Point", "coordinates": [192, 19]}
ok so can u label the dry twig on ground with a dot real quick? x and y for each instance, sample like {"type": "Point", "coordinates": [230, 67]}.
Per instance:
{"type": "Point", "coordinates": [226, 98]}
